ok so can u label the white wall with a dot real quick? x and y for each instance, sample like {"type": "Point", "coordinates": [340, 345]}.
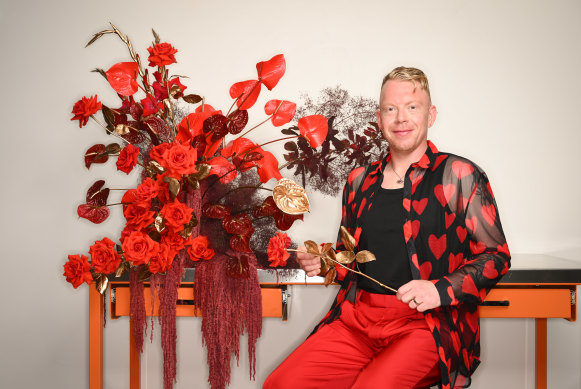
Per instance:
{"type": "Point", "coordinates": [505, 77]}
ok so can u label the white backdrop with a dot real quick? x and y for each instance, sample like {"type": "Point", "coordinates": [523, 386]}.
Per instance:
{"type": "Point", "coordinates": [505, 78]}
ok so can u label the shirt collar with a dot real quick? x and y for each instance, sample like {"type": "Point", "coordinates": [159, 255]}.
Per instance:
{"type": "Point", "coordinates": [425, 161]}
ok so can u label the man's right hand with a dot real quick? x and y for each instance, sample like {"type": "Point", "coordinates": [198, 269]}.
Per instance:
{"type": "Point", "coordinates": [310, 263]}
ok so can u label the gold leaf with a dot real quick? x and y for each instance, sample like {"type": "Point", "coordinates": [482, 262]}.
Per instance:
{"type": "Point", "coordinates": [203, 171]}
{"type": "Point", "coordinates": [98, 35]}
{"type": "Point", "coordinates": [154, 235]}
{"type": "Point", "coordinates": [156, 167]}
{"type": "Point", "coordinates": [113, 148]}
{"type": "Point", "coordinates": [331, 255]}
{"type": "Point", "coordinates": [144, 275]}
{"type": "Point", "coordinates": [325, 266]}
{"type": "Point", "coordinates": [174, 186]}
{"type": "Point", "coordinates": [330, 277]}
{"type": "Point", "coordinates": [108, 115]}
{"type": "Point", "coordinates": [155, 36]}
{"type": "Point", "coordinates": [290, 197]}
{"type": "Point", "coordinates": [176, 92]}
{"type": "Point", "coordinates": [122, 129]}
{"type": "Point", "coordinates": [102, 282]}
{"type": "Point", "coordinates": [186, 232]}
{"type": "Point", "coordinates": [193, 182]}
{"type": "Point", "coordinates": [159, 226]}
{"type": "Point", "coordinates": [100, 71]}
{"type": "Point", "coordinates": [364, 256]}
{"type": "Point", "coordinates": [326, 247]}
{"type": "Point", "coordinates": [122, 269]}
{"type": "Point", "coordinates": [312, 247]}
{"type": "Point", "coordinates": [345, 257]}
{"type": "Point", "coordinates": [347, 239]}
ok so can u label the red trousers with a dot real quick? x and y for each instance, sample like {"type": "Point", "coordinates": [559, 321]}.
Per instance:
{"type": "Point", "coordinates": [377, 343]}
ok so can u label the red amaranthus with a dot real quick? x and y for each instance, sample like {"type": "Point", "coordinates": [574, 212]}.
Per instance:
{"type": "Point", "coordinates": [186, 209]}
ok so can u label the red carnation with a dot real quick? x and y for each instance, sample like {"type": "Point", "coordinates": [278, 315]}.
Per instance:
{"type": "Point", "coordinates": [277, 254]}
{"type": "Point", "coordinates": [78, 270]}
{"type": "Point", "coordinates": [161, 54]}
{"type": "Point", "coordinates": [200, 249]}
{"type": "Point", "coordinates": [104, 257]}
{"type": "Point", "coordinates": [176, 215]}
{"type": "Point", "coordinates": [84, 108]}
{"type": "Point", "coordinates": [127, 158]}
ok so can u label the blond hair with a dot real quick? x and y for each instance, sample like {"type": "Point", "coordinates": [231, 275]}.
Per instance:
{"type": "Point", "coordinates": [402, 73]}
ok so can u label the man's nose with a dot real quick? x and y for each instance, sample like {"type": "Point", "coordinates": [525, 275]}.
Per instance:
{"type": "Point", "coordinates": [401, 115]}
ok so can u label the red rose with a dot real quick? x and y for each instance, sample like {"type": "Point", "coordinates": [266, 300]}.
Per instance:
{"type": "Point", "coordinates": [199, 249]}
{"type": "Point", "coordinates": [176, 215]}
{"type": "Point", "coordinates": [127, 158]}
{"type": "Point", "coordinates": [277, 245]}
{"type": "Point", "coordinates": [180, 160]}
{"type": "Point", "coordinates": [162, 260]}
{"type": "Point", "coordinates": [84, 108]}
{"type": "Point", "coordinates": [147, 191]}
{"type": "Point", "coordinates": [174, 240]}
{"type": "Point", "coordinates": [78, 270]}
{"type": "Point", "coordinates": [139, 247]}
{"type": "Point", "coordinates": [104, 257]}
{"type": "Point", "coordinates": [161, 54]}
{"type": "Point", "coordinates": [163, 194]}
{"type": "Point", "coordinates": [157, 152]}
{"type": "Point", "coordinates": [138, 216]}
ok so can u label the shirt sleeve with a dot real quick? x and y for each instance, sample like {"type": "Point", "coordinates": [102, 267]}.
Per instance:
{"type": "Point", "coordinates": [488, 257]}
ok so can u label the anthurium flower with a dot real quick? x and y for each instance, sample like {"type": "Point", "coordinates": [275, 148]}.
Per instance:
{"type": "Point", "coordinates": [267, 166]}
{"type": "Point", "coordinates": [271, 71]}
{"type": "Point", "coordinates": [161, 54]}
{"type": "Point", "coordinates": [123, 78]}
{"type": "Point", "coordinates": [246, 92]}
{"type": "Point", "coordinates": [223, 169]}
{"type": "Point", "coordinates": [95, 209]}
{"type": "Point", "coordinates": [78, 270]}
{"type": "Point", "coordinates": [84, 108]}
{"type": "Point", "coordinates": [277, 245]}
{"type": "Point", "coordinates": [240, 224]}
{"type": "Point", "coordinates": [192, 126]}
{"type": "Point", "coordinates": [151, 105]}
{"type": "Point", "coordinates": [314, 128]}
{"type": "Point", "coordinates": [284, 114]}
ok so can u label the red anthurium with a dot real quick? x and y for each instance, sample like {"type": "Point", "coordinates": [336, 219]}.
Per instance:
{"type": "Point", "coordinates": [122, 77]}
{"type": "Point", "coordinates": [192, 126]}
{"type": "Point", "coordinates": [150, 105]}
{"type": "Point", "coordinates": [241, 243]}
{"type": "Point", "coordinates": [96, 154]}
{"type": "Point", "coordinates": [271, 71]}
{"type": "Point", "coordinates": [314, 128]}
{"type": "Point", "coordinates": [240, 224]}
{"type": "Point", "coordinates": [284, 221]}
{"type": "Point", "coordinates": [237, 120]}
{"type": "Point", "coordinates": [95, 209]}
{"type": "Point", "coordinates": [246, 92]}
{"type": "Point", "coordinates": [222, 168]}
{"type": "Point", "coordinates": [284, 114]}
{"type": "Point", "coordinates": [215, 211]}
{"type": "Point", "coordinates": [238, 267]}
{"type": "Point", "coordinates": [267, 166]}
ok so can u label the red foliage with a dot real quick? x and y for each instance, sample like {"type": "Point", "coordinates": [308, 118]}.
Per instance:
{"type": "Point", "coordinates": [123, 78]}
{"type": "Point", "coordinates": [271, 71]}
{"type": "Point", "coordinates": [314, 128]}
{"type": "Point", "coordinates": [246, 92]}
{"type": "Point", "coordinates": [284, 114]}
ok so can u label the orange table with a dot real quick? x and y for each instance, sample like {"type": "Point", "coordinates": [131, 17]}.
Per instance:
{"type": "Point", "coordinates": [537, 286]}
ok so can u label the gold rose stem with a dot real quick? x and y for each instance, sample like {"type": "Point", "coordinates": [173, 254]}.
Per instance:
{"type": "Point", "coordinates": [351, 270]}
{"type": "Point", "coordinates": [109, 131]}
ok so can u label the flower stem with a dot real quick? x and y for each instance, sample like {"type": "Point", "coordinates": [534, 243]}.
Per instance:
{"type": "Point", "coordinates": [348, 268]}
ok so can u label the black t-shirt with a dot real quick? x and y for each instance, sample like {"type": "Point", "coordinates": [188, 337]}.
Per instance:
{"type": "Point", "coordinates": [382, 234]}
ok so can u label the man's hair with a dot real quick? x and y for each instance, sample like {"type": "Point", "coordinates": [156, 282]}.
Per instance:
{"type": "Point", "coordinates": [402, 73]}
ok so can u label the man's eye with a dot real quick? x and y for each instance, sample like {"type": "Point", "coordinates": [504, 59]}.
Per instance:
{"type": "Point", "coordinates": [390, 109]}
{"type": "Point", "coordinates": [412, 107]}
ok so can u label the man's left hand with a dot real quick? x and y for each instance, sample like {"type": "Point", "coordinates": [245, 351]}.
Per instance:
{"type": "Point", "coordinates": [419, 294]}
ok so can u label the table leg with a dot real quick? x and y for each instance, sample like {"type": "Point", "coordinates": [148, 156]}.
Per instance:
{"type": "Point", "coordinates": [541, 353]}
{"type": "Point", "coordinates": [95, 338]}
{"type": "Point", "coordinates": [134, 360]}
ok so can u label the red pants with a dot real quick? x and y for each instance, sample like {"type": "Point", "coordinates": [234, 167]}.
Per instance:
{"type": "Point", "coordinates": [377, 343]}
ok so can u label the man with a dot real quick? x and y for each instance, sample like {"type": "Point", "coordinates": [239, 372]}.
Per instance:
{"type": "Point", "coordinates": [432, 222]}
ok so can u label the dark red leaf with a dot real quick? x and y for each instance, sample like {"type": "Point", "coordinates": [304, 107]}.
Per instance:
{"type": "Point", "coordinates": [267, 208]}
{"type": "Point", "coordinates": [97, 196]}
{"type": "Point", "coordinates": [135, 111]}
{"type": "Point", "coordinates": [134, 136]}
{"type": "Point", "coordinates": [96, 154]}
{"type": "Point", "coordinates": [237, 120]}
{"type": "Point", "coordinates": [215, 211]}
{"type": "Point", "coordinates": [95, 214]}
{"type": "Point", "coordinates": [217, 126]}
{"type": "Point", "coordinates": [284, 114]}
{"type": "Point", "coordinates": [271, 71]}
{"type": "Point", "coordinates": [284, 221]}
{"type": "Point", "coordinates": [241, 243]}
{"type": "Point", "coordinates": [160, 128]}
{"type": "Point", "coordinates": [246, 92]}
{"type": "Point", "coordinates": [122, 77]}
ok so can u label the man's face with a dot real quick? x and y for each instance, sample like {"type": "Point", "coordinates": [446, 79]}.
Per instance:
{"type": "Point", "coordinates": [404, 116]}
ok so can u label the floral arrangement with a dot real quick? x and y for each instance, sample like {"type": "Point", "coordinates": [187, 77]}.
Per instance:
{"type": "Point", "coordinates": [198, 201]}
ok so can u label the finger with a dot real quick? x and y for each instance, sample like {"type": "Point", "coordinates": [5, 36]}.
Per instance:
{"type": "Point", "coordinates": [313, 273]}
{"type": "Point", "coordinates": [309, 268]}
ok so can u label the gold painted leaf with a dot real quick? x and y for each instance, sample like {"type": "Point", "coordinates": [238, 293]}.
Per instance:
{"type": "Point", "coordinates": [312, 247]}
{"type": "Point", "coordinates": [290, 197]}
{"type": "Point", "coordinates": [108, 116]}
{"type": "Point", "coordinates": [326, 247]}
{"type": "Point", "coordinates": [156, 167]}
{"type": "Point", "coordinates": [192, 99]}
{"type": "Point", "coordinates": [157, 40]}
{"type": "Point", "coordinates": [144, 274]}
{"type": "Point", "coordinates": [122, 269]}
{"type": "Point", "coordinates": [325, 266]}
{"type": "Point", "coordinates": [195, 184]}
{"type": "Point", "coordinates": [122, 129]}
{"type": "Point", "coordinates": [102, 282]}
{"type": "Point", "coordinates": [330, 277]}
{"type": "Point", "coordinates": [345, 257]}
{"type": "Point", "coordinates": [347, 239]}
{"type": "Point", "coordinates": [113, 148]}
{"type": "Point", "coordinates": [203, 171]}
{"type": "Point", "coordinates": [159, 225]}
{"type": "Point", "coordinates": [174, 186]}
{"type": "Point", "coordinates": [364, 256]}
{"type": "Point", "coordinates": [101, 72]}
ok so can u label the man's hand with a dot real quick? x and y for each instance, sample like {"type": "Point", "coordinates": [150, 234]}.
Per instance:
{"type": "Point", "coordinates": [419, 294]}
{"type": "Point", "coordinates": [310, 263]}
